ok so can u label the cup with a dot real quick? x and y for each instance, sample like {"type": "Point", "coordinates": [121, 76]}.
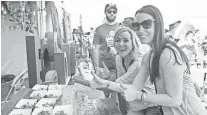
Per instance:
{"type": "Point", "coordinates": [110, 39]}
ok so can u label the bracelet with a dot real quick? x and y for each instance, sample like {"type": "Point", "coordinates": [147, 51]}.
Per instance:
{"type": "Point", "coordinates": [107, 85]}
{"type": "Point", "coordinates": [142, 96]}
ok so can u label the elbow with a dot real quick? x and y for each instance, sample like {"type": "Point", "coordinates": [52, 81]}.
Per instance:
{"type": "Point", "coordinates": [176, 103]}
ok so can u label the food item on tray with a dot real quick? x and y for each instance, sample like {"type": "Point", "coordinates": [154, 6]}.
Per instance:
{"type": "Point", "coordinates": [63, 110]}
{"type": "Point", "coordinates": [60, 113]}
{"type": "Point", "coordinates": [40, 87]}
{"type": "Point", "coordinates": [56, 87]}
{"type": "Point", "coordinates": [46, 102]}
{"type": "Point", "coordinates": [86, 106]}
{"type": "Point", "coordinates": [42, 111]}
{"type": "Point", "coordinates": [21, 112]}
{"type": "Point", "coordinates": [107, 105]}
{"type": "Point", "coordinates": [26, 103]}
{"type": "Point", "coordinates": [54, 94]}
{"type": "Point", "coordinates": [38, 94]}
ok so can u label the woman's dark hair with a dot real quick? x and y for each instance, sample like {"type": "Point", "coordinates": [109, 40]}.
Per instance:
{"type": "Point", "coordinates": [160, 42]}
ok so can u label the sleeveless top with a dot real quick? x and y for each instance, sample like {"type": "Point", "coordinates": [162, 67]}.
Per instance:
{"type": "Point", "coordinates": [191, 104]}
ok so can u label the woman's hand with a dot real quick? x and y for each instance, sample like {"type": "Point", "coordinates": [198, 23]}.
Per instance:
{"type": "Point", "coordinates": [113, 51]}
{"type": "Point", "coordinates": [98, 82]}
{"type": "Point", "coordinates": [103, 72]}
{"type": "Point", "coordinates": [131, 93]}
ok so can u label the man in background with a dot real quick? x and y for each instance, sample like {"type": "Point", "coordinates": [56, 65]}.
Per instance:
{"type": "Point", "coordinates": [104, 54]}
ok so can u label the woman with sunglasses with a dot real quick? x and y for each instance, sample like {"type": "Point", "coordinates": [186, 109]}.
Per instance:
{"type": "Point", "coordinates": [128, 62]}
{"type": "Point", "coordinates": [167, 67]}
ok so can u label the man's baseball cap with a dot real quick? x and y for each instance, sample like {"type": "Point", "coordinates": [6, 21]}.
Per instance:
{"type": "Point", "coordinates": [111, 5]}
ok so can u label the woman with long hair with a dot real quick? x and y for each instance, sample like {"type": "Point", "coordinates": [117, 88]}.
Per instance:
{"type": "Point", "coordinates": [167, 66]}
{"type": "Point", "coordinates": [128, 62]}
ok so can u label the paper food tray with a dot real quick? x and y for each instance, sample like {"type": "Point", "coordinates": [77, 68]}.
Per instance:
{"type": "Point", "coordinates": [56, 87]}
{"type": "Point", "coordinates": [43, 111]}
{"type": "Point", "coordinates": [38, 94]}
{"type": "Point", "coordinates": [46, 102]}
{"type": "Point", "coordinates": [26, 103]}
{"type": "Point", "coordinates": [63, 110]}
{"type": "Point", "coordinates": [21, 112]}
{"type": "Point", "coordinates": [40, 87]}
{"type": "Point", "coordinates": [53, 94]}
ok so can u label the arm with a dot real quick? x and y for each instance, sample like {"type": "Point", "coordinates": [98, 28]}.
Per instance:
{"type": "Point", "coordinates": [139, 83]}
{"type": "Point", "coordinates": [142, 70]}
{"type": "Point", "coordinates": [97, 42]}
{"type": "Point", "coordinates": [126, 78]}
{"type": "Point", "coordinates": [130, 75]}
{"type": "Point", "coordinates": [97, 55]}
{"type": "Point", "coordinates": [173, 77]}
{"type": "Point", "coordinates": [143, 73]}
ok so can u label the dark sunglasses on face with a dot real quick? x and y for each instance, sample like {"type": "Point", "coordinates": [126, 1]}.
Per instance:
{"type": "Point", "coordinates": [146, 24]}
{"type": "Point", "coordinates": [110, 11]}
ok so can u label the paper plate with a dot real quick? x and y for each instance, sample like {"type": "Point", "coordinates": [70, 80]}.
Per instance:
{"type": "Point", "coordinates": [53, 94]}
{"type": "Point", "coordinates": [38, 94]}
{"type": "Point", "coordinates": [21, 112]}
{"type": "Point", "coordinates": [26, 103]}
{"type": "Point", "coordinates": [63, 110]}
{"type": "Point", "coordinates": [46, 102]}
{"type": "Point", "coordinates": [43, 111]}
{"type": "Point", "coordinates": [56, 87]}
{"type": "Point", "coordinates": [40, 87]}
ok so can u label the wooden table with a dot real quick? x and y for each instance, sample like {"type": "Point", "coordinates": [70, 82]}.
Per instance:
{"type": "Point", "coordinates": [68, 97]}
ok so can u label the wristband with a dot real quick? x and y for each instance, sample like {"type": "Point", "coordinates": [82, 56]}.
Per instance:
{"type": "Point", "coordinates": [142, 96]}
{"type": "Point", "coordinates": [108, 84]}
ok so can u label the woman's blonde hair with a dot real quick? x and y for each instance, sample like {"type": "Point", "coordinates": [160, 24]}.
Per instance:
{"type": "Point", "coordinates": [135, 52]}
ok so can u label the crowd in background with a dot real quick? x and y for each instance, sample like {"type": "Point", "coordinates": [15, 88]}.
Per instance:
{"type": "Point", "coordinates": [193, 44]}
{"type": "Point", "coordinates": [145, 69]}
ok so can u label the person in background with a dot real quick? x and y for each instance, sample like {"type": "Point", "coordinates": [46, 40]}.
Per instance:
{"type": "Point", "coordinates": [76, 39]}
{"type": "Point", "coordinates": [91, 46]}
{"type": "Point", "coordinates": [128, 63]}
{"type": "Point", "coordinates": [189, 47]}
{"type": "Point", "coordinates": [104, 52]}
{"type": "Point", "coordinates": [168, 68]}
{"type": "Point", "coordinates": [127, 22]}
{"type": "Point", "coordinates": [91, 35]}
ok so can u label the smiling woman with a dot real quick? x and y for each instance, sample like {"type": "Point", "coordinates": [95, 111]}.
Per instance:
{"type": "Point", "coordinates": [123, 43]}
{"type": "Point", "coordinates": [167, 67]}
{"type": "Point", "coordinates": [127, 65]}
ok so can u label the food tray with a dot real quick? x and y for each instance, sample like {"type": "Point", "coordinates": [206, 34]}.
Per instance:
{"type": "Point", "coordinates": [38, 94]}
{"type": "Point", "coordinates": [46, 102]}
{"type": "Point", "coordinates": [21, 112]}
{"type": "Point", "coordinates": [56, 87]}
{"type": "Point", "coordinates": [43, 111]}
{"type": "Point", "coordinates": [54, 94]}
{"type": "Point", "coordinates": [63, 110]}
{"type": "Point", "coordinates": [40, 87]}
{"type": "Point", "coordinates": [26, 103]}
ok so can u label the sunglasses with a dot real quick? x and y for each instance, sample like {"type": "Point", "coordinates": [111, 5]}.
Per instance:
{"type": "Point", "coordinates": [110, 11]}
{"type": "Point", "coordinates": [147, 24]}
